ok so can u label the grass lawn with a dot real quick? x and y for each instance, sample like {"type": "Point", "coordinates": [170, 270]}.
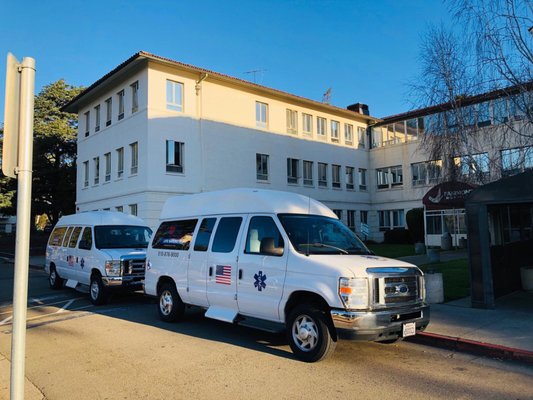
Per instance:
{"type": "Point", "coordinates": [455, 276]}
{"type": "Point", "coordinates": [392, 250]}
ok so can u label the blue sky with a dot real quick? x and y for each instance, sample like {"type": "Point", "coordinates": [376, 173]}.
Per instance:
{"type": "Point", "coordinates": [365, 51]}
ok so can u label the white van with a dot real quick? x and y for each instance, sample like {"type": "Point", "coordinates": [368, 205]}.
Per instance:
{"type": "Point", "coordinates": [278, 260]}
{"type": "Point", "coordinates": [99, 250]}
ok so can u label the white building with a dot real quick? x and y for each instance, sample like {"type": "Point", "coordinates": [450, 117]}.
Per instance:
{"type": "Point", "coordinates": [154, 128]}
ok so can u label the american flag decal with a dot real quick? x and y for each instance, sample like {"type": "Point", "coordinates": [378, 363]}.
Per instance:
{"type": "Point", "coordinates": [223, 274]}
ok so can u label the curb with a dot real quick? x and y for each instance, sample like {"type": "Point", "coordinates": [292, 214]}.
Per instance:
{"type": "Point", "coordinates": [472, 347]}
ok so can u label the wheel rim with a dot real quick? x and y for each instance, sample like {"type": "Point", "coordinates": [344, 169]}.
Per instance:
{"type": "Point", "coordinates": [305, 333]}
{"type": "Point", "coordinates": [166, 302]}
{"type": "Point", "coordinates": [53, 277]}
{"type": "Point", "coordinates": [95, 290]}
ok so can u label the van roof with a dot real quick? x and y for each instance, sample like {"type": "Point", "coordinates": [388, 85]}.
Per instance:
{"type": "Point", "coordinates": [242, 201]}
{"type": "Point", "coordinates": [101, 218]}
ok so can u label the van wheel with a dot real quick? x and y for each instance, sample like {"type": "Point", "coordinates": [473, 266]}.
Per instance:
{"type": "Point", "coordinates": [170, 307]}
{"type": "Point", "coordinates": [97, 290]}
{"type": "Point", "coordinates": [53, 278]}
{"type": "Point", "coordinates": [308, 334]}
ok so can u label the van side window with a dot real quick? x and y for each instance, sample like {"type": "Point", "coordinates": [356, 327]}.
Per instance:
{"type": "Point", "coordinates": [264, 237]}
{"type": "Point", "coordinates": [204, 234]}
{"type": "Point", "coordinates": [86, 242]}
{"type": "Point", "coordinates": [74, 237]}
{"type": "Point", "coordinates": [67, 236]}
{"type": "Point", "coordinates": [226, 236]}
{"type": "Point", "coordinates": [175, 235]}
{"type": "Point", "coordinates": [56, 238]}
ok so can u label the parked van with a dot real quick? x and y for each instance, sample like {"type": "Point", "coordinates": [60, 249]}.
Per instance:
{"type": "Point", "coordinates": [98, 250]}
{"type": "Point", "coordinates": [280, 261]}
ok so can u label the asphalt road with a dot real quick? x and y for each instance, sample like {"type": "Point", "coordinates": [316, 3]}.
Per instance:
{"type": "Point", "coordinates": [122, 351]}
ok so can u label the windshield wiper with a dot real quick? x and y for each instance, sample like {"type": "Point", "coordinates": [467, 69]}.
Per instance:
{"type": "Point", "coordinates": [323, 245]}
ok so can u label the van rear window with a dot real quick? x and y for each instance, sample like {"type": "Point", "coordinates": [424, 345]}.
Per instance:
{"type": "Point", "coordinates": [175, 235]}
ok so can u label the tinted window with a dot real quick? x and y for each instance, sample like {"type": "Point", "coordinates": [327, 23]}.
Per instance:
{"type": "Point", "coordinates": [264, 237]}
{"type": "Point", "coordinates": [67, 236]}
{"type": "Point", "coordinates": [227, 232]}
{"type": "Point", "coordinates": [86, 241]}
{"type": "Point", "coordinates": [204, 234]}
{"type": "Point", "coordinates": [175, 235]}
{"type": "Point", "coordinates": [74, 237]}
{"type": "Point", "coordinates": [121, 237]}
{"type": "Point", "coordinates": [56, 238]}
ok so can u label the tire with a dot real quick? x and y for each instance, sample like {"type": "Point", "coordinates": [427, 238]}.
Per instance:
{"type": "Point", "coordinates": [170, 307]}
{"type": "Point", "coordinates": [390, 341]}
{"type": "Point", "coordinates": [97, 290]}
{"type": "Point", "coordinates": [55, 281]}
{"type": "Point", "coordinates": [308, 334]}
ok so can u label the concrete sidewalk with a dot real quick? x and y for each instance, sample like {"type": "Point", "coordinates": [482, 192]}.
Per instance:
{"type": "Point", "coordinates": [505, 332]}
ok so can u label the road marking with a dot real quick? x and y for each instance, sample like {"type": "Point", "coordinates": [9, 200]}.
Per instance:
{"type": "Point", "coordinates": [5, 321]}
{"type": "Point", "coordinates": [65, 307]}
{"type": "Point", "coordinates": [69, 301]}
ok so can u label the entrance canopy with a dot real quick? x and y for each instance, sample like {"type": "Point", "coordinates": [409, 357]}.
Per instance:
{"type": "Point", "coordinates": [447, 195]}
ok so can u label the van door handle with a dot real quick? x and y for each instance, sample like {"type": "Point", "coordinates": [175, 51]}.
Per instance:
{"type": "Point", "coordinates": [240, 274]}
{"type": "Point", "coordinates": [210, 271]}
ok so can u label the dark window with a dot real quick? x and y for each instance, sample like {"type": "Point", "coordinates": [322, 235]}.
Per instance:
{"type": "Point", "coordinates": [56, 238]}
{"type": "Point", "coordinates": [264, 237]}
{"type": "Point", "coordinates": [67, 236]}
{"type": "Point", "coordinates": [86, 242]}
{"type": "Point", "coordinates": [227, 232]}
{"type": "Point", "coordinates": [74, 238]}
{"type": "Point", "coordinates": [121, 237]}
{"type": "Point", "coordinates": [175, 235]}
{"type": "Point", "coordinates": [204, 234]}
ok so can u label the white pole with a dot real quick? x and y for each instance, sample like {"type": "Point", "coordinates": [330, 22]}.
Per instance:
{"type": "Point", "coordinates": [24, 171]}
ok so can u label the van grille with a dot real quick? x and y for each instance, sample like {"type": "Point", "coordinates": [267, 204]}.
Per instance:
{"type": "Point", "coordinates": [395, 286]}
{"type": "Point", "coordinates": [133, 267]}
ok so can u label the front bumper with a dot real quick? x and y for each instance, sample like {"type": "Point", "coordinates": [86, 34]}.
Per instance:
{"type": "Point", "coordinates": [378, 325]}
{"type": "Point", "coordinates": [129, 282]}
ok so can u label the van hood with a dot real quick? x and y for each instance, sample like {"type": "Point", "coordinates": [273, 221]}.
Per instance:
{"type": "Point", "coordinates": [350, 265]}
{"type": "Point", "coordinates": [116, 254]}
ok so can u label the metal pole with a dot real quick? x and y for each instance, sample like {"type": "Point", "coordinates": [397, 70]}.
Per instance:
{"type": "Point", "coordinates": [24, 171]}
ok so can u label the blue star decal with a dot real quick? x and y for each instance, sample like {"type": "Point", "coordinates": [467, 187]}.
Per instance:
{"type": "Point", "coordinates": [260, 281]}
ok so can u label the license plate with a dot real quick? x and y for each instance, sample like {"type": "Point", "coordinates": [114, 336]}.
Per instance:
{"type": "Point", "coordinates": [409, 329]}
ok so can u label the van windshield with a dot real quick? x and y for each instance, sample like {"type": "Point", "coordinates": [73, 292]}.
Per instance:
{"type": "Point", "coordinates": [316, 234]}
{"type": "Point", "coordinates": [121, 236]}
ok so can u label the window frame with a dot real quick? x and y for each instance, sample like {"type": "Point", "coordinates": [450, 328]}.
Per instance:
{"type": "Point", "coordinates": [134, 153]}
{"type": "Point", "coordinates": [292, 121]}
{"type": "Point", "coordinates": [120, 96]}
{"type": "Point", "coordinates": [322, 175]}
{"type": "Point", "coordinates": [107, 157]}
{"type": "Point", "coordinates": [262, 160]}
{"type": "Point", "coordinates": [172, 101]}
{"type": "Point", "coordinates": [293, 171]}
{"type": "Point", "coordinates": [120, 162]}
{"type": "Point", "coordinates": [134, 97]}
{"type": "Point", "coordinates": [261, 114]}
{"type": "Point", "coordinates": [109, 111]}
{"type": "Point", "coordinates": [308, 179]}
{"type": "Point", "coordinates": [175, 167]}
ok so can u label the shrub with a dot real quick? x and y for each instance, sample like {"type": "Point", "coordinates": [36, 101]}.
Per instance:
{"type": "Point", "coordinates": [415, 223]}
{"type": "Point", "coordinates": [398, 236]}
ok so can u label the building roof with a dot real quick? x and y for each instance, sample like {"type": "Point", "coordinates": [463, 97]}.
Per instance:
{"type": "Point", "coordinates": [242, 201]}
{"type": "Point", "coordinates": [460, 102]}
{"type": "Point", "coordinates": [142, 57]}
{"type": "Point", "coordinates": [504, 191]}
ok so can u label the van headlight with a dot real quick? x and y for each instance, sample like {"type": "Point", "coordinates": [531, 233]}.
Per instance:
{"type": "Point", "coordinates": [354, 292]}
{"type": "Point", "coordinates": [112, 268]}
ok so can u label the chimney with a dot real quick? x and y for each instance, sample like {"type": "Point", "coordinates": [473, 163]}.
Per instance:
{"type": "Point", "coordinates": [359, 108]}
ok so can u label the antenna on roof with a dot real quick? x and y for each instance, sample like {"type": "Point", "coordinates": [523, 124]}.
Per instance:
{"type": "Point", "coordinates": [327, 96]}
{"type": "Point", "coordinates": [255, 71]}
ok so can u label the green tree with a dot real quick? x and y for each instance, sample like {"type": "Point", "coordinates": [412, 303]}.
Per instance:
{"type": "Point", "coordinates": [54, 152]}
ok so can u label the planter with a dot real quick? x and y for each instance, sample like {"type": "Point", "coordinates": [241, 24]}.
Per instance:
{"type": "Point", "coordinates": [434, 287]}
{"type": "Point", "coordinates": [420, 248]}
{"type": "Point", "coordinates": [526, 273]}
{"type": "Point", "coordinates": [433, 255]}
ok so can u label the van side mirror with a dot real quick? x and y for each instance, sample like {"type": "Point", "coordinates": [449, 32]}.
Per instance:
{"type": "Point", "coordinates": [268, 247]}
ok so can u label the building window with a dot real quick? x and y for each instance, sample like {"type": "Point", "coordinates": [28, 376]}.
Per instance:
{"type": "Point", "coordinates": [96, 161]}
{"type": "Point", "coordinates": [134, 96]}
{"type": "Point", "coordinates": [364, 217]}
{"type": "Point", "coordinates": [361, 134]}
{"type": "Point", "coordinates": [472, 165]}
{"type": "Point", "coordinates": [396, 174]}
{"type": "Point", "coordinates": [321, 127]}
{"type": "Point", "coordinates": [97, 118]}
{"type": "Point", "coordinates": [174, 156]}
{"type": "Point", "coordinates": [336, 176]}
{"type": "Point", "coordinates": [389, 177]}
{"type": "Point", "coordinates": [338, 213]}
{"type": "Point", "coordinates": [293, 165]}
{"type": "Point", "coordinates": [350, 219]}
{"type": "Point", "coordinates": [174, 95]}
{"type": "Point", "coordinates": [307, 120]}
{"type": "Point", "coordinates": [362, 179]}
{"type": "Point", "coordinates": [261, 114]}
{"type": "Point", "coordinates": [119, 208]}
{"type": "Point", "coordinates": [350, 178]}
{"type": "Point", "coordinates": [425, 173]}
{"type": "Point", "coordinates": [322, 174]}
{"type": "Point", "coordinates": [382, 175]}
{"type": "Point", "coordinates": [335, 131]}
{"type": "Point", "coordinates": [516, 160]}
{"type": "Point", "coordinates": [85, 173]}
{"type": "Point", "coordinates": [120, 162]}
{"type": "Point", "coordinates": [348, 134]}
{"type": "Point", "coordinates": [390, 219]}
{"type": "Point", "coordinates": [261, 164]}
{"type": "Point", "coordinates": [134, 151]}
{"type": "Point", "coordinates": [87, 123]}
{"type": "Point", "coordinates": [120, 96]}
{"type": "Point", "coordinates": [107, 166]}
{"type": "Point", "coordinates": [308, 173]}
{"type": "Point", "coordinates": [292, 121]}
{"type": "Point", "coordinates": [109, 111]}
{"type": "Point", "coordinates": [133, 209]}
